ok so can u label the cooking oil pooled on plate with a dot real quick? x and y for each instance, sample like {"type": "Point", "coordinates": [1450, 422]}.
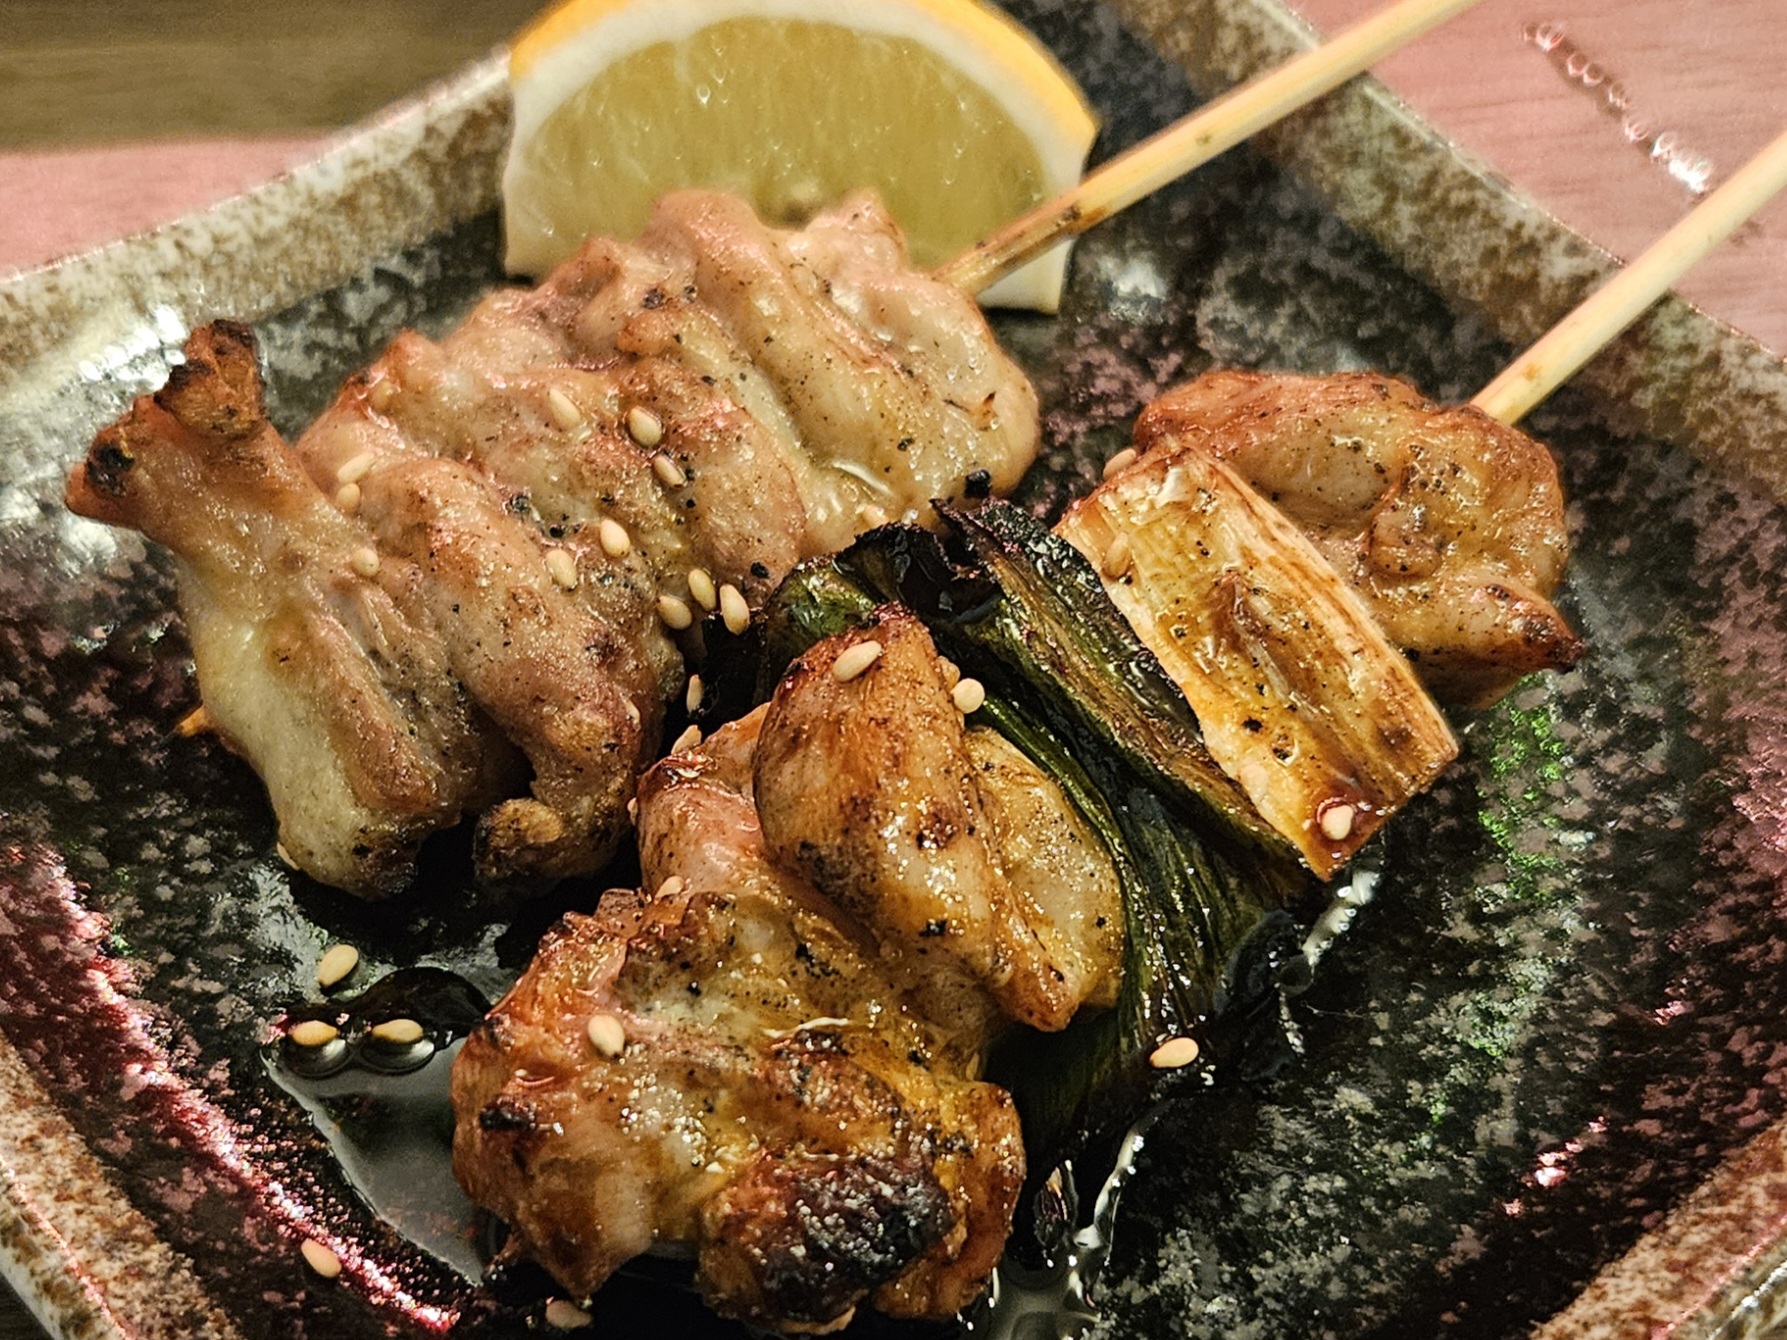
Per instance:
{"type": "Point", "coordinates": [383, 1104]}
{"type": "Point", "coordinates": [1058, 1301]}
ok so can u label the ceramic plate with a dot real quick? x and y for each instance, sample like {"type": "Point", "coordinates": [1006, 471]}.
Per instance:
{"type": "Point", "coordinates": [1563, 1009]}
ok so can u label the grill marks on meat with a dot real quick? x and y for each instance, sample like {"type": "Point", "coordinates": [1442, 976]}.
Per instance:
{"type": "Point", "coordinates": [1447, 523]}
{"type": "Point", "coordinates": [420, 604]}
{"type": "Point", "coordinates": [797, 1100]}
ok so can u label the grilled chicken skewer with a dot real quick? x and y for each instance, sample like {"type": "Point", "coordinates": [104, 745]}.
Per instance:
{"type": "Point", "coordinates": [973, 894]}
{"type": "Point", "coordinates": [1303, 555]}
{"type": "Point", "coordinates": [506, 535]}
{"type": "Point", "coordinates": [774, 1058]}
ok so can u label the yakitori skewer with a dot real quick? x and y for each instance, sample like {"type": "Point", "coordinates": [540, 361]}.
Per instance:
{"type": "Point", "coordinates": [1220, 125]}
{"type": "Point", "coordinates": [1629, 294]}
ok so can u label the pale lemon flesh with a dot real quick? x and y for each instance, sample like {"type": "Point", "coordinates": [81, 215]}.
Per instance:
{"type": "Point", "coordinates": [793, 113]}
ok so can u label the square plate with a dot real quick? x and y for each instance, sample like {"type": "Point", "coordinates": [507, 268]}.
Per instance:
{"type": "Point", "coordinates": [1562, 1010]}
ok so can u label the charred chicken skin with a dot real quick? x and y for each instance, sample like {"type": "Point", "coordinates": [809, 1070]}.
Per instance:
{"type": "Point", "coordinates": [467, 588]}
{"type": "Point", "coordinates": [781, 1072]}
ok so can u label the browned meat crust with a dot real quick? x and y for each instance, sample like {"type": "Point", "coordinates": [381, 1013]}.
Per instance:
{"type": "Point", "coordinates": [329, 678]}
{"type": "Point", "coordinates": [779, 1106]}
{"type": "Point", "coordinates": [797, 1096]}
{"type": "Point", "coordinates": [868, 789]}
{"type": "Point", "coordinates": [1449, 524]}
{"type": "Point", "coordinates": [512, 527]}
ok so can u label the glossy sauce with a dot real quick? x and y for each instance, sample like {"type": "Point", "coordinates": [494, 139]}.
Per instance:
{"type": "Point", "coordinates": [384, 1107]}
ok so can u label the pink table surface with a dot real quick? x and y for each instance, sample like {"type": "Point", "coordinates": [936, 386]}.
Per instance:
{"type": "Point", "coordinates": [1706, 76]}
{"type": "Point", "coordinates": [62, 201]}
{"type": "Point", "coordinates": [1702, 83]}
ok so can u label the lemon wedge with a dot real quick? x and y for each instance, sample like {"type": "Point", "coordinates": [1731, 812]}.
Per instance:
{"type": "Point", "coordinates": [955, 114]}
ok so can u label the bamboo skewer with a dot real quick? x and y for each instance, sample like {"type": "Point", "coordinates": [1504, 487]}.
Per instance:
{"type": "Point", "coordinates": [1170, 154]}
{"type": "Point", "coordinates": [1629, 294]}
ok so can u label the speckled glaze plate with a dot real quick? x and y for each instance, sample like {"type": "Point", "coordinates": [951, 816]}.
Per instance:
{"type": "Point", "coordinates": [1539, 1081]}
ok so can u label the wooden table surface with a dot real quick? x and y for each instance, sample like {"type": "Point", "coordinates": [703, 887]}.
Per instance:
{"type": "Point", "coordinates": [115, 117]}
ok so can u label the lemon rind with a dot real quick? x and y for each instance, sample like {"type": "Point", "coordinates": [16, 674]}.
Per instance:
{"type": "Point", "coordinates": [553, 59]}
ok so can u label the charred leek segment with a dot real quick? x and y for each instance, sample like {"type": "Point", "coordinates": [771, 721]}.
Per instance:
{"type": "Point", "coordinates": [1204, 882]}
{"type": "Point", "coordinates": [1299, 696]}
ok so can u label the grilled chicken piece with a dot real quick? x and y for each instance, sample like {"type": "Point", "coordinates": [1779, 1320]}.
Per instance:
{"type": "Point", "coordinates": [866, 786]}
{"type": "Point", "coordinates": [541, 492]}
{"type": "Point", "coordinates": [1300, 698]}
{"type": "Point", "coordinates": [317, 658]}
{"type": "Point", "coordinates": [894, 391]}
{"type": "Point", "coordinates": [796, 1099]}
{"type": "Point", "coordinates": [1449, 524]}
{"type": "Point", "coordinates": [780, 1106]}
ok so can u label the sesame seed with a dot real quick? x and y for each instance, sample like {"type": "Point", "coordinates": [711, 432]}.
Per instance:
{"type": "Point", "coordinates": [632, 710]}
{"type": "Point", "coordinates": [335, 964]}
{"type": "Point", "coordinates": [855, 659]}
{"type": "Point", "coordinates": [355, 468]}
{"type": "Point", "coordinates": [969, 694]}
{"type": "Point", "coordinates": [951, 672]}
{"type": "Point", "coordinates": [564, 1315]}
{"type": "Point", "coordinates": [564, 410]}
{"type": "Point", "coordinates": [313, 1033]}
{"type": "Point", "coordinates": [672, 886]}
{"type": "Point", "coordinates": [347, 498]}
{"type": "Point", "coordinates": [285, 857]}
{"type": "Point", "coordinates": [1120, 462]}
{"type": "Point", "coordinates": [733, 609]}
{"type": "Point", "coordinates": [645, 428]}
{"type": "Point", "coordinates": [1174, 1054]}
{"type": "Point", "coordinates": [380, 394]}
{"type": "Point", "coordinates": [715, 1167]}
{"type": "Point", "coordinates": [701, 586]}
{"type": "Point", "coordinates": [561, 564]}
{"type": "Point", "coordinates": [616, 543]}
{"type": "Point", "coordinates": [1336, 822]}
{"type": "Point", "coordinates": [687, 740]}
{"type": "Point", "coordinates": [195, 722]}
{"type": "Point", "coordinates": [401, 1031]}
{"type": "Point", "coordinates": [633, 809]}
{"type": "Point", "coordinates": [319, 1258]}
{"type": "Point", "coordinates": [675, 613]}
{"type": "Point", "coordinates": [669, 471]}
{"type": "Point", "coordinates": [365, 561]}
{"type": "Point", "coordinates": [696, 691]}
{"type": "Point", "coordinates": [607, 1034]}
{"type": "Point", "coordinates": [871, 516]}
{"type": "Point", "coordinates": [1118, 557]}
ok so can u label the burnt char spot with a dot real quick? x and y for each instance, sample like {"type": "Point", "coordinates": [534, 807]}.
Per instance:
{"type": "Point", "coordinates": [505, 1113]}
{"type": "Point", "coordinates": [107, 465]}
{"type": "Point", "coordinates": [217, 391]}
{"type": "Point", "coordinates": [936, 830]}
{"type": "Point", "coordinates": [814, 964]}
{"type": "Point", "coordinates": [978, 484]}
{"type": "Point", "coordinates": [812, 1235]}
